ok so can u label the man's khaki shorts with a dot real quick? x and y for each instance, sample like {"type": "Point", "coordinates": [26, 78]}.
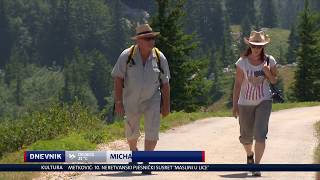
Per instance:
{"type": "Point", "coordinates": [151, 112]}
{"type": "Point", "coordinates": [254, 121]}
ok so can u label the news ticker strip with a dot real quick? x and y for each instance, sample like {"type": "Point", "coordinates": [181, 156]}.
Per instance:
{"type": "Point", "coordinates": [114, 156]}
{"type": "Point", "coordinates": [160, 167]}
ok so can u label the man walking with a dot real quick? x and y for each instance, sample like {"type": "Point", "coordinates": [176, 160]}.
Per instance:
{"type": "Point", "coordinates": [141, 85]}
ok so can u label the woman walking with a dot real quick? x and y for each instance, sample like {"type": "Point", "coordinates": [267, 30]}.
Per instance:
{"type": "Point", "coordinates": [252, 96]}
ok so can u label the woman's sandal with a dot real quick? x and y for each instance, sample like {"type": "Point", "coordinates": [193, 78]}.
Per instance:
{"type": "Point", "coordinates": [250, 159]}
{"type": "Point", "coordinates": [256, 173]}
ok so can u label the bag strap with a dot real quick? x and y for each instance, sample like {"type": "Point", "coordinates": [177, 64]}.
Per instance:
{"type": "Point", "coordinates": [132, 51]}
{"type": "Point", "coordinates": [157, 51]}
{"type": "Point", "coordinates": [272, 87]}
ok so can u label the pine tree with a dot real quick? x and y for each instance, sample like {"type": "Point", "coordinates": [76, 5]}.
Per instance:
{"type": "Point", "coordinates": [5, 35]}
{"type": "Point", "coordinates": [307, 85]}
{"type": "Point", "coordinates": [191, 17]}
{"type": "Point", "coordinates": [57, 43]}
{"type": "Point", "coordinates": [293, 45]}
{"type": "Point", "coordinates": [120, 32]}
{"type": "Point", "coordinates": [251, 12]}
{"type": "Point", "coordinates": [269, 14]}
{"type": "Point", "coordinates": [288, 12]}
{"type": "Point", "coordinates": [245, 32]}
{"type": "Point", "coordinates": [176, 46]}
{"type": "Point", "coordinates": [210, 26]}
{"type": "Point", "coordinates": [238, 9]}
{"type": "Point", "coordinates": [100, 79]}
{"type": "Point", "coordinates": [90, 26]}
{"type": "Point", "coordinates": [76, 86]}
{"type": "Point", "coordinates": [18, 91]}
{"type": "Point", "coordinates": [227, 46]}
{"type": "Point", "coordinates": [216, 70]}
{"type": "Point", "coordinates": [316, 5]}
{"type": "Point", "coordinates": [14, 75]}
{"type": "Point", "coordinates": [282, 59]}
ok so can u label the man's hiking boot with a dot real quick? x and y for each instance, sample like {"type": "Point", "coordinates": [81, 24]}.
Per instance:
{"type": "Point", "coordinates": [146, 172]}
{"type": "Point", "coordinates": [133, 163]}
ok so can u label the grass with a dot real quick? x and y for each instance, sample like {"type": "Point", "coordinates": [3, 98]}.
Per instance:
{"type": "Point", "coordinates": [279, 42]}
{"type": "Point", "coordinates": [18, 175]}
{"type": "Point", "coordinates": [317, 150]}
{"type": "Point", "coordinates": [287, 75]}
{"type": "Point", "coordinates": [277, 107]}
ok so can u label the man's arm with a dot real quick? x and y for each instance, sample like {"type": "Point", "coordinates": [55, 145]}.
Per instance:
{"type": "Point", "coordinates": [118, 85]}
{"type": "Point", "coordinates": [165, 95]}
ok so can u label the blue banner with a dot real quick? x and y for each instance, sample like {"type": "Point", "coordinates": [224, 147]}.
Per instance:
{"type": "Point", "coordinates": [168, 156]}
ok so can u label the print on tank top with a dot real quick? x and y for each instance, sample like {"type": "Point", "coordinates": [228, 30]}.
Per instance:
{"type": "Point", "coordinates": [254, 89]}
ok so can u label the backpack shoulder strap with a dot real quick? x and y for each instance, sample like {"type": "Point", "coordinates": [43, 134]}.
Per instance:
{"type": "Point", "coordinates": [157, 51]}
{"type": "Point", "coordinates": [268, 60]}
{"type": "Point", "coordinates": [132, 51]}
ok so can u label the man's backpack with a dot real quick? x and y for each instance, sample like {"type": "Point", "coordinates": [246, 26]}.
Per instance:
{"type": "Point", "coordinates": [130, 60]}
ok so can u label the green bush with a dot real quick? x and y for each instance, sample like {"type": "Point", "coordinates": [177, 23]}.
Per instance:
{"type": "Point", "coordinates": [96, 137]}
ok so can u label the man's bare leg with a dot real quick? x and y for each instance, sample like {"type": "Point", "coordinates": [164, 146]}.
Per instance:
{"type": "Point", "coordinates": [149, 145]}
{"type": "Point", "coordinates": [132, 144]}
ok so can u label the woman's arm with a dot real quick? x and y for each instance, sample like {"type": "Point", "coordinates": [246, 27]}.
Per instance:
{"type": "Point", "coordinates": [271, 73]}
{"type": "Point", "coordinates": [236, 90]}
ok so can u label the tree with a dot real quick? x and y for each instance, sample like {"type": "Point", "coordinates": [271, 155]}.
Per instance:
{"type": "Point", "coordinates": [316, 5]}
{"type": "Point", "coordinates": [146, 5]}
{"type": "Point", "coordinates": [90, 26]}
{"type": "Point", "coordinates": [57, 43]}
{"type": "Point", "coordinates": [177, 46]}
{"type": "Point", "coordinates": [289, 11]}
{"type": "Point", "coordinates": [120, 32]}
{"type": "Point", "coordinates": [293, 45]}
{"type": "Point", "coordinates": [238, 9]}
{"type": "Point", "coordinates": [269, 14]}
{"type": "Point", "coordinates": [215, 69]}
{"type": "Point", "coordinates": [245, 32]}
{"type": "Point", "coordinates": [5, 35]}
{"type": "Point", "coordinates": [191, 17]}
{"type": "Point", "coordinates": [76, 87]}
{"type": "Point", "coordinates": [33, 15]}
{"type": "Point", "coordinates": [14, 75]}
{"type": "Point", "coordinates": [100, 79]}
{"type": "Point", "coordinates": [282, 59]}
{"type": "Point", "coordinates": [307, 84]}
{"type": "Point", "coordinates": [210, 24]}
{"type": "Point", "coordinates": [227, 46]}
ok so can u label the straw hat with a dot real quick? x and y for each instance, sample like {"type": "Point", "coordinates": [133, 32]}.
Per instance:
{"type": "Point", "coordinates": [143, 31]}
{"type": "Point", "coordinates": [257, 38]}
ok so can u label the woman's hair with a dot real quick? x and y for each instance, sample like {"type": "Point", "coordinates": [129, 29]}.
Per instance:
{"type": "Point", "coordinates": [248, 52]}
